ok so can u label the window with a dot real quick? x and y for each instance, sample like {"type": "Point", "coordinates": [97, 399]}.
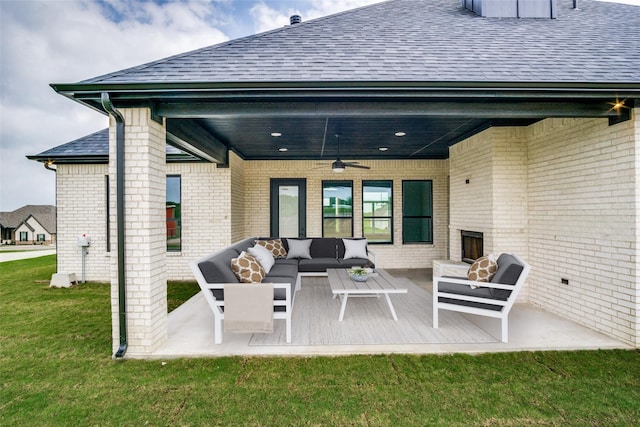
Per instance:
{"type": "Point", "coordinates": [337, 208]}
{"type": "Point", "coordinates": [174, 217]}
{"type": "Point", "coordinates": [40, 238]}
{"type": "Point", "coordinates": [377, 211]}
{"type": "Point", "coordinates": [417, 212]}
{"type": "Point", "coordinates": [24, 236]}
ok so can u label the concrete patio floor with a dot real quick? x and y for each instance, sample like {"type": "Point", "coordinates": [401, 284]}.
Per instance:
{"type": "Point", "coordinates": [530, 328]}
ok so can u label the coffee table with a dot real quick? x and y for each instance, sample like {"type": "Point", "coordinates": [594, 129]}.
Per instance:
{"type": "Point", "coordinates": [379, 283]}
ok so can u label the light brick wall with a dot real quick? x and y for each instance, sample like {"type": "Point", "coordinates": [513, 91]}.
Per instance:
{"type": "Point", "coordinates": [583, 213]}
{"type": "Point", "coordinates": [494, 201]}
{"type": "Point", "coordinates": [145, 233]}
{"type": "Point", "coordinates": [206, 218]}
{"type": "Point", "coordinates": [564, 194]}
{"type": "Point", "coordinates": [257, 175]}
{"type": "Point", "coordinates": [235, 218]}
{"type": "Point", "coordinates": [635, 308]}
{"type": "Point", "coordinates": [471, 206]}
{"type": "Point", "coordinates": [81, 209]}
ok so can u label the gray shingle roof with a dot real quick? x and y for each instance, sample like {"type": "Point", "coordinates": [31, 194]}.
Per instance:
{"type": "Point", "coordinates": [44, 214]}
{"type": "Point", "coordinates": [95, 148]}
{"type": "Point", "coordinates": [95, 144]}
{"type": "Point", "coordinates": [416, 40]}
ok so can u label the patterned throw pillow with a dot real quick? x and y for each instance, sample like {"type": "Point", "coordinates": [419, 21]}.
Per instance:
{"type": "Point", "coordinates": [275, 246]}
{"type": "Point", "coordinates": [247, 268]}
{"type": "Point", "coordinates": [483, 269]}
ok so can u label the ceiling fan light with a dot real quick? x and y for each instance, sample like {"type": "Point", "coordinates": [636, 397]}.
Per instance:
{"type": "Point", "coordinates": [338, 169]}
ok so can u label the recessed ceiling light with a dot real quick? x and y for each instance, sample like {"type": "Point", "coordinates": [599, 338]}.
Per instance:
{"type": "Point", "coordinates": [383, 148]}
{"type": "Point", "coordinates": [276, 134]}
{"type": "Point", "coordinates": [282, 150]}
{"type": "Point", "coordinates": [400, 133]}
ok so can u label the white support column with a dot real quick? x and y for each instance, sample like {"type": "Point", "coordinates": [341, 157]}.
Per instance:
{"type": "Point", "coordinates": [145, 232]}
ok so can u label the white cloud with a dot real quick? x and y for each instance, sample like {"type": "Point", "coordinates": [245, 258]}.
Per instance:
{"type": "Point", "coordinates": [47, 42]}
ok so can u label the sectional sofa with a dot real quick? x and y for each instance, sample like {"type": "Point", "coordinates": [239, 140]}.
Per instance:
{"type": "Point", "coordinates": [303, 257]}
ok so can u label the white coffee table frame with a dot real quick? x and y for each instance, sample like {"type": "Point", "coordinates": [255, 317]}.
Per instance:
{"type": "Point", "coordinates": [379, 283]}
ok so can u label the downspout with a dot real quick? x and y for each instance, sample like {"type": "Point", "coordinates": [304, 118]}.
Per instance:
{"type": "Point", "coordinates": [122, 299]}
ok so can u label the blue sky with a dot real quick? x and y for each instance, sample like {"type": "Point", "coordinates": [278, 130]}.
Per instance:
{"type": "Point", "coordinates": [64, 41]}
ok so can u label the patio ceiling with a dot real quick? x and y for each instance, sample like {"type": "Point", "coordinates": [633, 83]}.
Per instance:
{"type": "Point", "coordinates": [360, 137]}
{"type": "Point", "coordinates": [209, 121]}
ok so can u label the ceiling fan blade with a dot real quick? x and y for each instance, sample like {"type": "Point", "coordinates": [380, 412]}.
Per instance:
{"type": "Point", "coordinates": [351, 165]}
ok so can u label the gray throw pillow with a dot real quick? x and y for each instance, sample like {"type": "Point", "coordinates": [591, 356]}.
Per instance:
{"type": "Point", "coordinates": [299, 248]}
{"type": "Point", "coordinates": [355, 248]}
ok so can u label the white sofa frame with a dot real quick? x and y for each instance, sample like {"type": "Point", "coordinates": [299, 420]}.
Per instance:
{"type": "Point", "coordinates": [217, 306]}
{"type": "Point", "coordinates": [502, 314]}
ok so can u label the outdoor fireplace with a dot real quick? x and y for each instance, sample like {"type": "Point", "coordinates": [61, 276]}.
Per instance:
{"type": "Point", "coordinates": [472, 246]}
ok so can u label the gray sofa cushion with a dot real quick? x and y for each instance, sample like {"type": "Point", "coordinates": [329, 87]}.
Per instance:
{"type": "Point", "coordinates": [324, 247]}
{"type": "Point", "coordinates": [285, 261]}
{"type": "Point", "coordinates": [508, 273]}
{"type": "Point", "coordinates": [217, 269]}
{"type": "Point", "coordinates": [458, 289]}
{"type": "Point", "coordinates": [356, 262]}
{"type": "Point", "coordinates": [315, 265]}
{"type": "Point", "coordinates": [279, 293]}
{"type": "Point", "coordinates": [281, 269]}
{"type": "Point", "coordinates": [471, 304]}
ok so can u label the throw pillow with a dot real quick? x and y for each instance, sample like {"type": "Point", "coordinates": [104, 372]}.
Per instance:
{"type": "Point", "coordinates": [275, 246]}
{"type": "Point", "coordinates": [355, 248]}
{"type": "Point", "coordinates": [483, 269]}
{"type": "Point", "coordinates": [299, 248]}
{"type": "Point", "coordinates": [247, 268]}
{"type": "Point", "coordinates": [264, 257]}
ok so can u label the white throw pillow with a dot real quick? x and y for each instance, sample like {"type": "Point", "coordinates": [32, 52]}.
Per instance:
{"type": "Point", "coordinates": [299, 248]}
{"type": "Point", "coordinates": [355, 248]}
{"type": "Point", "coordinates": [264, 257]}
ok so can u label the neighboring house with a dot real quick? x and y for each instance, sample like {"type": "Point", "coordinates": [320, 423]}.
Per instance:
{"type": "Point", "coordinates": [29, 225]}
{"type": "Point", "coordinates": [482, 133]}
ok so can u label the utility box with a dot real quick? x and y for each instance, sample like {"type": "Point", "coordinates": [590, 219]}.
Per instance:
{"type": "Point", "coordinates": [84, 240]}
{"type": "Point", "coordinates": [63, 280]}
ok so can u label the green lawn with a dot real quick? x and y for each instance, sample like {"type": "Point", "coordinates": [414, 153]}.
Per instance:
{"type": "Point", "coordinates": [56, 369]}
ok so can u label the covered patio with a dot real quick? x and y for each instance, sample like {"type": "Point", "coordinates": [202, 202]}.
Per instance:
{"type": "Point", "coordinates": [528, 141]}
{"type": "Point", "coordinates": [190, 332]}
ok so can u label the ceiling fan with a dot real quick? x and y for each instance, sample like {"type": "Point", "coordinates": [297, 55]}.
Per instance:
{"type": "Point", "coordinates": [339, 166]}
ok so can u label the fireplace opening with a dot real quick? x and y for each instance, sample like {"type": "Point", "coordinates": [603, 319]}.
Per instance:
{"type": "Point", "coordinates": [472, 246]}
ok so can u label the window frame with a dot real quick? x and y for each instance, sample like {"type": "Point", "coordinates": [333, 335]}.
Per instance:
{"type": "Point", "coordinates": [178, 219]}
{"type": "Point", "coordinates": [107, 189]}
{"type": "Point", "coordinates": [341, 183]}
{"type": "Point", "coordinates": [378, 182]}
{"type": "Point", "coordinates": [405, 216]}
{"type": "Point", "coordinates": [26, 236]}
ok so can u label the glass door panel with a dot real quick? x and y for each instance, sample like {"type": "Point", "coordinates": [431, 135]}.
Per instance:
{"type": "Point", "coordinates": [288, 207]}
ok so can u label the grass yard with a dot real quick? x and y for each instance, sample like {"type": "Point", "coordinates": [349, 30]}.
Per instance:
{"type": "Point", "coordinates": [56, 369]}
